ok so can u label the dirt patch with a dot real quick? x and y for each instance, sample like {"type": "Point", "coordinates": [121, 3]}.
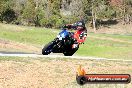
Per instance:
{"type": "Point", "coordinates": [57, 73]}
{"type": "Point", "coordinates": [10, 46]}
{"type": "Point", "coordinates": [114, 29]}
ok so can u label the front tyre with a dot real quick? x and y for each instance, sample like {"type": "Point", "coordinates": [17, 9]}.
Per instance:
{"type": "Point", "coordinates": [47, 48]}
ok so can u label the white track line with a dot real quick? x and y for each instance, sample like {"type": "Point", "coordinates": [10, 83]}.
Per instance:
{"type": "Point", "coordinates": [59, 56]}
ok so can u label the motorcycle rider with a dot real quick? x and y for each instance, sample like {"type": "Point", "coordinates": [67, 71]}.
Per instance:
{"type": "Point", "coordinates": [81, 32]}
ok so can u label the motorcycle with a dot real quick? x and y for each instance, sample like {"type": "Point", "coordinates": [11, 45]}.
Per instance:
{"type": "Point", "coordinates": [64, 43]}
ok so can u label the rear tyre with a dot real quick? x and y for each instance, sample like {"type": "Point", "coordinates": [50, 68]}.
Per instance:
{"type": "Point", "coordinates": [70, 53]}
{"type": "Point", "coordinates": [47, 48]}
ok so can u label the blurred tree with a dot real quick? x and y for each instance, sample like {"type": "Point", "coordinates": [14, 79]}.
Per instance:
{"type": "Point", "coordinates": [127, 11]}
{"type": "Point", "coordinates": [7, 14]}
{"type": "Point", "coordinates": [54, 13]}
{"type": "Point", "coordinates": [29, 12]}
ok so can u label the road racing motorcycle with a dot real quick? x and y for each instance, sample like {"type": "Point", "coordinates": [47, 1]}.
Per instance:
{"type": "Point", "coordinates": [66, 42]}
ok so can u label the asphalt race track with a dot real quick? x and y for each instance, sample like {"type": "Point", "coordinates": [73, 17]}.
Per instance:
{"type": "Point", "coordinates": [33, 55]}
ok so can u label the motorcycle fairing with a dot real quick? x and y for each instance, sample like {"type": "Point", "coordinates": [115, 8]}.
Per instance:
{"type": "Point", "coordinates": [64, 33]}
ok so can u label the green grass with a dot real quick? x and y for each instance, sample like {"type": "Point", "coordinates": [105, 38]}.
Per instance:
{"type": "Point", "coordinates": [30, 35]}
{"type": "Point", "coordinates": [115, 36]}
{"type": "Point", "coordinates": [111, 46]}
{"type": "Point", "coordinates": [96, 47]}
{"type": "Point", "coordinates": [106, 48]}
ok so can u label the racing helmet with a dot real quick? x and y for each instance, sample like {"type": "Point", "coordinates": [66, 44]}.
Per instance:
{"type": "Point", "coordinates": [80, 23]}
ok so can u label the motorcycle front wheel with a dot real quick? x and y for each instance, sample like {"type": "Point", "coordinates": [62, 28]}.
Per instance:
{"type": "Point", "coordinates": [47, 48]}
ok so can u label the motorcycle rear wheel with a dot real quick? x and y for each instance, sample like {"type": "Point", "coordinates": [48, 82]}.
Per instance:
{"type": "Point", "coordinates": [70, 53]}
